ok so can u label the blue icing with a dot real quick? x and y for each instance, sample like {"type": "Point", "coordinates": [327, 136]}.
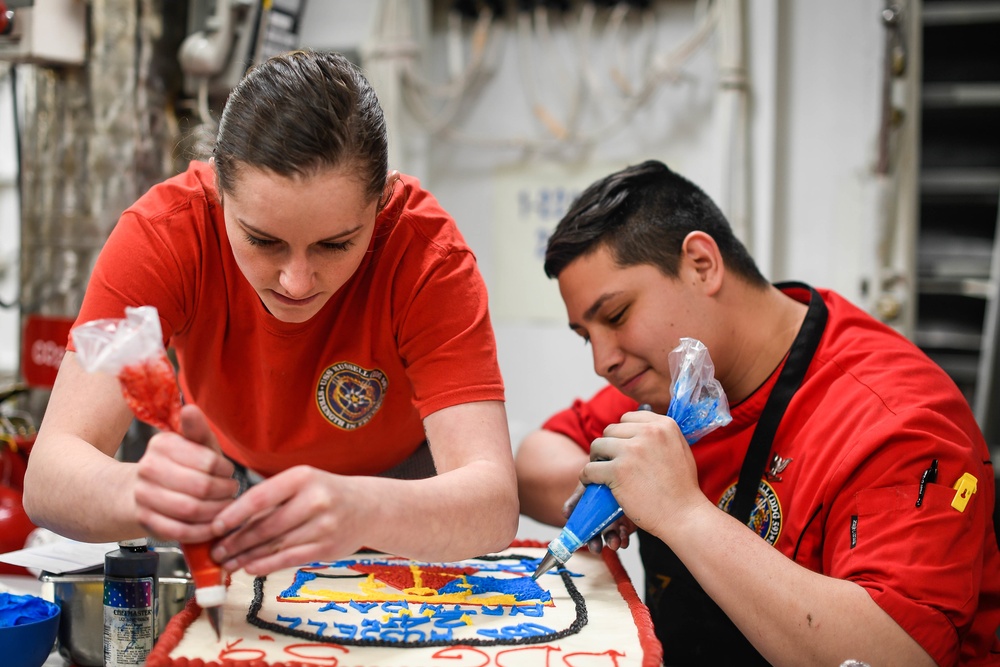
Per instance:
{"type": "Point", "coordinates": [521, 588]}
{"type": "Point", "coordinates": [346, 630]}
{"type": "Point", "coordinates": [293, 621]}
{"type": "Point", "coordinates": [363, 607]}
{"type": "Point", "coordinates": [320, 626]}
{"type": "Point", "coordinates": [536, 610]}
{"type": "Point", "coordinates": [332, 606]}
{"type": "Point", "coordinates": [434, 608]}
{"type": "Point", "coordinates": [371, 629]}
{"type": "Point", "coordinates": [402, 628]}
{"type": "Point", "coordinates": [301, 578]}
{"type": "Point", "coordinates": [492, 611]}
{"type": "Point", "coordinates": [405, 621]}
{"type": "Point", "coordinates": [452, 618]}
{"type": "Point", "coordinates": [394, 606]}
{"type": "Point", "coordinates": [518, 631]}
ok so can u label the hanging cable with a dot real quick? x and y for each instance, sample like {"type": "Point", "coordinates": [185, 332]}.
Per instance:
{"type": "Point", "coordinates": [655, 70]}
{"type": "Point", "coordinates": [436, 105]}
{"type": "Point", "coordinates": [18, 179]}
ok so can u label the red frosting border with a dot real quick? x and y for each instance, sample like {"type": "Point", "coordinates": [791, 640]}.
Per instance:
{"type": "Point", "coordinates": [652, 651]}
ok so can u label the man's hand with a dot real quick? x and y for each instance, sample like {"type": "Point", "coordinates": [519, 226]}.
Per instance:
{"type": "Point", "coordinates": [647, 463]}
{"type": "Point", "coordinates": [615, 536]}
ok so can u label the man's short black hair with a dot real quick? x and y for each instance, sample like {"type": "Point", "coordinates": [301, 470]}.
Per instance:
{"type": "Point", "coordinates": [642, 214]}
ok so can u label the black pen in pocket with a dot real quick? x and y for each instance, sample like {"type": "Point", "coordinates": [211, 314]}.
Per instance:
{"type": "Point", "coordinates": [929, 477]}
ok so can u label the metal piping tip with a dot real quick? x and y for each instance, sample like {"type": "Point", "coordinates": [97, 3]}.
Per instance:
{"type": "Point", "coordinates": [215, 619]}
{"type": "Point", "coordinates": [547, 564]}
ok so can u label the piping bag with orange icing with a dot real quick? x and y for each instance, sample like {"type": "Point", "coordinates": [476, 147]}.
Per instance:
{"type": "Point", "coordinates": [132, 349]}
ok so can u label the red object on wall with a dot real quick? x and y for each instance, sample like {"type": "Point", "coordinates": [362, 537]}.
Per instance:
{"type": "Point", "coordinates": [43, 345]}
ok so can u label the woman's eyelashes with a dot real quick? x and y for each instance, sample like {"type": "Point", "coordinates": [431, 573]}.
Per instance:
{"type": "Point", "coordinates": [338, 246]}
{"type": "Point", "coordinates": [259, 242]}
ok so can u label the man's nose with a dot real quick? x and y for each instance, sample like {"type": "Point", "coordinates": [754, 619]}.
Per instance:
{"type": "Point", "coordinates": [607, 355]}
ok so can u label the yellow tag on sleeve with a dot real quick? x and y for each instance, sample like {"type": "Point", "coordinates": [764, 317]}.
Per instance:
{"type": "Point", "coordinates": [966, 485]}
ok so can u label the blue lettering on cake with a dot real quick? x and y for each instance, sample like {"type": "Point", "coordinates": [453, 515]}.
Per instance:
{"type": "Point", "coordinates": [402, 628]}
{"type": "Point", "coordinates": [535, 610]}
{"type": "Point", "coordinates": [452, 618]}
{"type": "Point", "coordinates": [320, 626]}
{"type": "Point", "coordinates": [293, 621]}
{"type": "Point", "coordinates": [395, 606]}
{"type": "Point", "coordinates": [371, 629]}
{"type": "Point", "coordinates": [332, 606]}
{"type": "Point", "coordinates": [518, 631]}
{"type": "Point", "coordinates": [346, 630]}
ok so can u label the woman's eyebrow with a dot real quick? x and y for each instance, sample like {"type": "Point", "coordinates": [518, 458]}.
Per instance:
{"type": "Point", "coordinates": [347, 232]}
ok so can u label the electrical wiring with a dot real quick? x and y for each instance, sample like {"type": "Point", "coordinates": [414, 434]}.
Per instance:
{"type": "Point", "coordinates": [664, 68]}
{"type": "Point", "coordinates": [591, 112]}
{"type": "Point", "coordinates": [436, 105]}
{"type": "Point", "coordinates": [10, 73]}
{"type": "Point", "coordinates": [733, 93]}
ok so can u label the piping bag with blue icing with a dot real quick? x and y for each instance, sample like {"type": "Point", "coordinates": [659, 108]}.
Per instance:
{"type": "Point", "coordinates": [132, 349]}
{"type": "Point", "coordinates": [698, 405]}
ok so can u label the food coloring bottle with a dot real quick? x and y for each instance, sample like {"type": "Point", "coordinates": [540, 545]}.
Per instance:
{"type": "Point", "coordinates": [129, 603]}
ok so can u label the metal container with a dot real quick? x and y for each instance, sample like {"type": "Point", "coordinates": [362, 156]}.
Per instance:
{"type": "Point", "coordinates": [81, 597]}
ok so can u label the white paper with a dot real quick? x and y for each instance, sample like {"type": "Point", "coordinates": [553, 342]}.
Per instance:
{"type": "Point", "coordinates": [62, 557]}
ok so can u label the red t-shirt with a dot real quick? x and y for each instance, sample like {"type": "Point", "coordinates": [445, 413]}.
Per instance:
{"type": "Point", "coordinates": [872, 413]}
{"type": "Point", "coordinates": [346, 391]}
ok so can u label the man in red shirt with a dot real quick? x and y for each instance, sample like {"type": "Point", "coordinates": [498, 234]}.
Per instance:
{"type": "Point", "coordinates": [853, 459]}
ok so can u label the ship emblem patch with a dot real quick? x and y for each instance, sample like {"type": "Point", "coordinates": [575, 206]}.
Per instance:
{"type": "Point", "coordinates": [349, 395]}
{"type": "Point", "coordinates": [766, 517]}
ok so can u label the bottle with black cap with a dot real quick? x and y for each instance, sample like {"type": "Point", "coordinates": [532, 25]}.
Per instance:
{"type": "Point", "coordinates": [129, 603]}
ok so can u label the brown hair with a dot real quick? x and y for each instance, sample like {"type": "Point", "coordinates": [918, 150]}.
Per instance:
{"type": "Point", "coordinates": [300, 112]}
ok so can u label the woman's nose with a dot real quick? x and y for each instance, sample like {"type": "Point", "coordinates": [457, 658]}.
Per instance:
{"type": "Point", "coordinates": [297, 277]}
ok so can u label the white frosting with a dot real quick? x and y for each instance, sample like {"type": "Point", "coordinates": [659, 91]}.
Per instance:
{"type": "Point", "coordinates": [608, 637]}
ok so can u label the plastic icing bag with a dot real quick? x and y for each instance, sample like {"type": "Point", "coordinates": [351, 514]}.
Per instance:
{"type": "Point", "coordinates": [132, 349]}
{"type": "Point", "coordinates": [697, 402]}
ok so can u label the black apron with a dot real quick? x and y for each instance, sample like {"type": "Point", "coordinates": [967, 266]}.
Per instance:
{"type": "Point", "coordinates": [691, 627]}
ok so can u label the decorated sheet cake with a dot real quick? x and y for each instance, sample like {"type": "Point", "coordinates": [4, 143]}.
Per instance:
{"type": "Point", "coordinates": [373, 609]}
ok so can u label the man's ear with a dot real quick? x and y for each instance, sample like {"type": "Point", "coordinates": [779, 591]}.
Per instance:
{"type": "Point", "coordinates": [701, 254]}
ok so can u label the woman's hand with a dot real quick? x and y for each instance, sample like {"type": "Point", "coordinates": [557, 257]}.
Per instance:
{"type": "Point", "coordinates": [298, 516]}
{"type": "Point", "coordinates": [183, 482]}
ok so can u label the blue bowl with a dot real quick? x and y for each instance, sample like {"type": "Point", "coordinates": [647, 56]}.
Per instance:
{"type": "Point", "coordinates": [29, 645]}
